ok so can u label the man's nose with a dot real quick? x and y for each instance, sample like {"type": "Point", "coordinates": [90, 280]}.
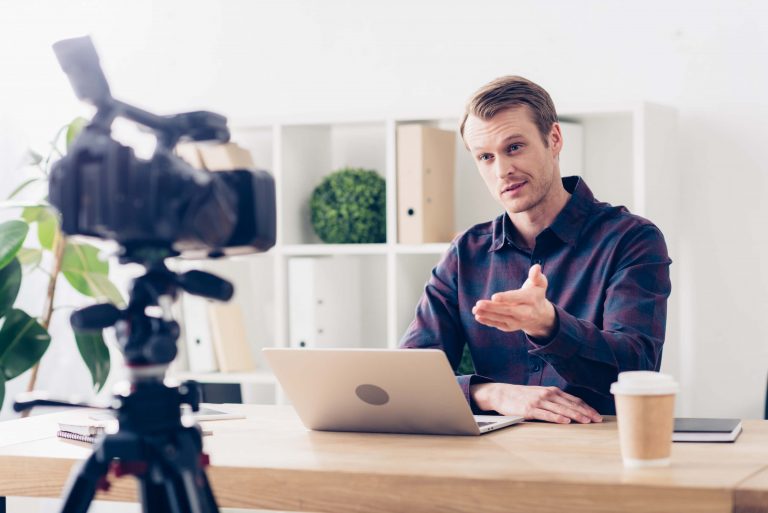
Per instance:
{"type": "Point", "coordinates": [504, 167]}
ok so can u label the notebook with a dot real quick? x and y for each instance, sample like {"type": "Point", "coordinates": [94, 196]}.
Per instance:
{"type": "Point", "coordinates": [86, 427]}
{"type": "Point", "coordinates": [706, 430]}
{"type": "Point", "coordinates": [378, 390]}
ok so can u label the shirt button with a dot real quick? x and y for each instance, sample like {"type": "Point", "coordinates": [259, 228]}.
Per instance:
{"type": "Point", "coordinates": [536, 367]}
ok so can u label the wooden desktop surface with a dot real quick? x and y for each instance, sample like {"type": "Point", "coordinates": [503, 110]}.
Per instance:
{"type": "Point", "coordinates": [270, 461]}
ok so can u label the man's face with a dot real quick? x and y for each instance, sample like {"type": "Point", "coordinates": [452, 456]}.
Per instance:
{"type": "Point", "coordinates": [516, 165]}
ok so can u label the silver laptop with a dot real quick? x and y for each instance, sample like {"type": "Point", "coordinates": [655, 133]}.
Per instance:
{"type": "Point", "coordinates": [378, 390]}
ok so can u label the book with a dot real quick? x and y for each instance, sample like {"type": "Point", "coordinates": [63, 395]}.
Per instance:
{"type": "Point", "coordinates": [224, 157]}
{"type": "Point", "coordinates": [89, 425]}
{"type": "Point", "coordinates": [68, 435]}
{"type": "Point", "coordinates": [86, 428]}
{"type": "Point", "coordinates": [206, 413]}
{"type": "Point", "coordinates": [228, 337]}
{"type": "Point", "coordinates": [706, 430]}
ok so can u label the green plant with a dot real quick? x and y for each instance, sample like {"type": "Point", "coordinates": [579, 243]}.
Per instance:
{"type": "Point", "coordinates": [349, 207]}
{"type": "Point", "coordinates": [24, 338]}
{"type": "Point", "coordinates": [466, 365]}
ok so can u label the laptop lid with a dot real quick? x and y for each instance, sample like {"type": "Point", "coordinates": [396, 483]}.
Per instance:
{"type": "Point", "coordinates": [373, 390]}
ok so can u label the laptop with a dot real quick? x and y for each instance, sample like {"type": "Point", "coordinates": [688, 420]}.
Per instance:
{"type": "Point", "coordinates": [378, 391]}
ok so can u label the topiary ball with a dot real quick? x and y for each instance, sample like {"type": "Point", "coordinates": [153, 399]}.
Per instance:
{"type": "Point", "coordinates": [349, 206]}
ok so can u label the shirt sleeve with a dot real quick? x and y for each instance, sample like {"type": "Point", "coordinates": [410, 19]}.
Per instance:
{"type": "Point", "coordinates": [634, 319]}
{"type": "Point", "coordinates": [437, 324]}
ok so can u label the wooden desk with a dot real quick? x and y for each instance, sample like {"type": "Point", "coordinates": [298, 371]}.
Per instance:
{"type": "Point", "coordinates": [270, 461]}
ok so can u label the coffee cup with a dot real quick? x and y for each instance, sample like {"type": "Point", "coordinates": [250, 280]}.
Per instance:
{"type": "Point", "coordinates": [645, 403]}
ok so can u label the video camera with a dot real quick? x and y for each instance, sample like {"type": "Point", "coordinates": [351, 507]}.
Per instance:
{"type": "Point", "coordinates": [161, 206]}
{"type": "Point", "coordinates": [154, 209]}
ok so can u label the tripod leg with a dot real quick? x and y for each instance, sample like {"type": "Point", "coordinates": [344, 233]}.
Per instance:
{"type": "Point", "coordinates": [159, 497]}
{"type": "Point", "coordinates": [83, 483]}
{"type": "Point", "coordinates": [179, 492]}
{"type": "Point", "coordinates": [204, 492]}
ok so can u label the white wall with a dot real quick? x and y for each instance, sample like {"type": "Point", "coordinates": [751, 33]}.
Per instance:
{"type": "Point", "coordinates": [280, 58]}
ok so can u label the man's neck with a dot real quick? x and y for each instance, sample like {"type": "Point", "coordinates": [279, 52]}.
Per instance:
{"type": "Point", "coordinates": [531, 223]}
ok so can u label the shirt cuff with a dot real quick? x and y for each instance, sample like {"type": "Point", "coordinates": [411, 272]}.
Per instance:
{"type": "Point", "coordinates": [467, 381]}
{"type": "Point", "coordinates": [564, 342]}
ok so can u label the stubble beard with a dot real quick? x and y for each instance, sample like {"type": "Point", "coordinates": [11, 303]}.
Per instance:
{"type": "Point", "coordinates": [538, 198]}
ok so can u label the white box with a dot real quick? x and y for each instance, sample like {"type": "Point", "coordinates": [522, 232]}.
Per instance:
{"type": "Point", "coordinates": [197, 334]}
{"type": "Point", "coordinates": [324, 302]}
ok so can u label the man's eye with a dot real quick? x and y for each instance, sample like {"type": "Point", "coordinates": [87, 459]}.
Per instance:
{"type": "Point", "coordinates": [484, 156]}
{"type": "Point", "coordinates": [514, 147]}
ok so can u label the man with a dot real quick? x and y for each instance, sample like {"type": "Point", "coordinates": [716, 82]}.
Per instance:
{"type": "Point", "coordinates": [557, 295]}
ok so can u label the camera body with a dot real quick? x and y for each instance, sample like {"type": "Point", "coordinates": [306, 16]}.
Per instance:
{"type": "Point", "coordinates": [160, 206]}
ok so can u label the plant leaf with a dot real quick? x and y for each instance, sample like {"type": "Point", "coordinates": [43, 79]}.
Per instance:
{"type": "Point", "coordinates": [47, 223]}
{"type": "Point", "coordinates": [95, 355]}
{"type": "Point", "coordinates": [466, 366]}
{"type": "Point", "coordinates": [2, 388]}
{"type": "Point", "coordinates": [32, 213]}
{"type": "Point", "coordinates": [74, 129]}
{"type": "Point", "coordinates": [10, 282]}
{"type": "Point", "coordinates": [12, 235]}
{"type": "Point", "coordinates": [101, 285]}
{"type": "Point", "coordinates": [87, 274]}
{"type": "Point", "coordinates": [22, 343]}
{"type": "Point", "coordinates": [32, 158]}
{"type": "Point", "coordinates": [29, 256]}
{"type": "Point", "coordinates": [47, 228]}
{"type": "Point", "coordinates": [23, 186]}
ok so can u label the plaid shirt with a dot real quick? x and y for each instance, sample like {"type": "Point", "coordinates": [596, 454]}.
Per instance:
{"type": "Point", "coordinates": [608, 274]}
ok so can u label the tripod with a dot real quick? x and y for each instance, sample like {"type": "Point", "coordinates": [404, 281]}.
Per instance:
{"type": "Point", "coordinates": [154, 443]}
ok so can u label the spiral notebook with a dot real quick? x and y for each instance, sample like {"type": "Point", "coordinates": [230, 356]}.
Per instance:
{"type": "Point", "coordinates": [87, 428]}
{"type": "Point", "coordinates": [76, 436]}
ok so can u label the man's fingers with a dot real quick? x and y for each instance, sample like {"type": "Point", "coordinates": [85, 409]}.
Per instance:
{"type": "Point", "coordinates": [536, 276]}
{"type": "Point", "coordinates": [511, 296]}
{"type": "Point", "coordinates": [542, 414]}
{"type": "Point", "coordinates": [501, 325]}
{"type": "Point", "coordinates": [575, 403]}
{"type": "Point", "coordinates": [567, 411]}
{"type": "Point", "coordinates": [493, 317]}
{"type": "Point", "coordinates": [496, 308]}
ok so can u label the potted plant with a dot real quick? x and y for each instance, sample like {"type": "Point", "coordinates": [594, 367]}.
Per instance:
{"type": "Point", "coordinates": [349, 206]}
{"type": "Point", "coordinates": [29, 243]}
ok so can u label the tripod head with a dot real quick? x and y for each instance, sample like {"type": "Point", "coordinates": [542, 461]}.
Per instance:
{"type": "Point", "coordinates": [147, 340]}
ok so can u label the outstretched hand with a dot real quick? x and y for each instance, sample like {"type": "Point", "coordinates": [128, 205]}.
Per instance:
{"type": "Point", "coordinates": [526, 308]}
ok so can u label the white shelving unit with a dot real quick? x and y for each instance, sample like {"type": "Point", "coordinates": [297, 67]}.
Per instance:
{"type": "Point", "coordinates": [626, 157]}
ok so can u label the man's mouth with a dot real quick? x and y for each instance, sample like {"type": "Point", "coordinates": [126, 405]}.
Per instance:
{"type": "Point", "coordinates": [513, 188]}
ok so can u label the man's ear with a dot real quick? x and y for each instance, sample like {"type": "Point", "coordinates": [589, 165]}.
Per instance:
{"type": "Point", "coordinates": [555, 140]}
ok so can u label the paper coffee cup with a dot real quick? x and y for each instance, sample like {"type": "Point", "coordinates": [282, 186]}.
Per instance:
{"type": "Point", "coordinates": [645, 403]}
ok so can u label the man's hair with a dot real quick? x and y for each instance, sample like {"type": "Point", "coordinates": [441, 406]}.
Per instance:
{"type": "Point", "coordinates": [512, 91]}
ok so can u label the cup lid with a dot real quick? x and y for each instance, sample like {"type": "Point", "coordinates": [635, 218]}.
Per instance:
{"type": "Point", "coordinates": [644, 383]}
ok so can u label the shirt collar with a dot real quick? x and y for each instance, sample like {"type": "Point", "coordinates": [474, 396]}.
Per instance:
{"type": "Point", "coordinates": [567, 225]}
{"type": "Point", "coordinates": [570, 221]}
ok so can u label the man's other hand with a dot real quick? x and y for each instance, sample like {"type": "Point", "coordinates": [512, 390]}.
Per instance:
{"type": "Point", "coordinates": [526, 308]}
{"type": "Point", "coordinates": [540, 403]}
